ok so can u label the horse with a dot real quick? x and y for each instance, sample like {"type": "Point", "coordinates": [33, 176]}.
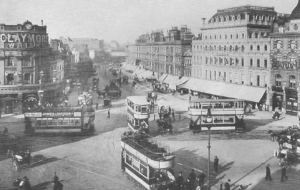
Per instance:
{"type": "Point", "coordinates": [101, 93]}
{"type": "Point", "coordinates": [276, 134]}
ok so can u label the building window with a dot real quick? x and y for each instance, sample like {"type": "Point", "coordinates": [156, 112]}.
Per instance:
{"type": "Point", "coordinates": [237, 36]}
{"type": "Point", "coordinates": [251, 62]}
{"type": "Point", "coordinates": [292, 81]}
{"type": "Point", "coordinates": [256, 35]}
{"type": "Point", "coordinates": [266, 48]}
{"type": "Point", "coordinates": [215, 75]}
{"type": "Point", "coordinates": [277, 80]}
{"type": "Point", "coordinates": [10, 79]}
{"type": "Point", "coordinates": [266, 63]}
{"type": "Point", "coordinates": [265, 81]}
{"type": "Point", "coordinates": [231, 36]}
{"type": "Point", "coordinates": [251, 80]}
{"type": "Point", "coordinates": [225, 36]}
{"type": "Point", "coordinates": [258, 48]}
{"type": "Point", "coordinates": [258, 80]}
{"type": "Point", "coordinates": [220, 36]}
{"type": "Point", "coordinates": [224, 76]}
{"type": "Point", "coordinates": [243, 35]}
{"type": "Point", "coordinates": [251, 47]}
{"type": "Point", "coordinates": [236, 78]}
{"type": "Point", "coordinates": [230, 77]}
{"type": "Point", "coordinates": [258, 63]}
{"type": "Point", "coordinates": [242, 79]}
{"type": "Point", "coordinates": [243, 48]}
{"type": "Point", "coordinates": [205, 74]}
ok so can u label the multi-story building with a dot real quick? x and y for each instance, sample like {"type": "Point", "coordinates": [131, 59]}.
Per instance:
{"type": "Point", "coordinates": [160, 53]}
{"type": "Point", "coordinates": [285, 60]}
{"type": "Point", "coordinates": [26, 66]}
{"type": "Point", "coordinates": [92, 43]}
{"type": "Point", "coordinates": [234, 47]}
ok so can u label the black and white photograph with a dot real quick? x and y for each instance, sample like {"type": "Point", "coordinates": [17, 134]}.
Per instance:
{"type": "Point", "coordinates": [149, 95]}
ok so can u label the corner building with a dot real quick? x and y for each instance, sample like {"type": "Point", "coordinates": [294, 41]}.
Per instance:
{"type": "Point", "coordinates": [27, 65]}
{"type": "Point", "coordinates": [285, 60]}
{"type": "Point", "coordinates": [234, 47]}
{"type": "Point", "coordinates": [163, 53]}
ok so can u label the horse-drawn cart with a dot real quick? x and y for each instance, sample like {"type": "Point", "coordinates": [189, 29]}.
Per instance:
{"type": "Point", "coordinates": [19, 159]}
{"type": "Point", "coordinates": [106, 102]}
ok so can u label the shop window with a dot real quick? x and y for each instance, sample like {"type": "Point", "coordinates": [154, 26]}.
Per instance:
{"type": "Point", "coordinates": [10, 63]}
{"type": "Point", "coordinates": [278, 80]}
{"type": "Point", "coordinates": [292, 81]}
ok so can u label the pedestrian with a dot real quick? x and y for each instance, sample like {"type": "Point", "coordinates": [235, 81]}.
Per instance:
{"type": "Point", "coordinates": [57, 184]}
{"type": "Point", "coordinates": [108, 114]}
{"type": "Point", "coordinates": [25, 184]}
{"type": "Point", "coordinates": [201, 178]}
{"type": "Point", "coordinates": [283, 174]}
{"type": "Point", "coordinates": [180, 180]}
{"type": "Point", "coordinates": [227, 185]}
{"type": "Point", "coordinates": [173, 114]}
{"type": "Point", "coordinates": [192, 178]}
{"type": "Point", "coordinates": [299, 117]}
{"type": "Point", "coordinates": [268, 172]}
{"type": "Point", "coordinates": [216, 163]}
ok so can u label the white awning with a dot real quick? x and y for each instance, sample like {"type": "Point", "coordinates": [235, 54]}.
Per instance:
{"type": "Point", "coordinates": [248, 93]}
{"type": "Point", "coordinates": [162, 77]}
{"type": "Point", "coordinates": [182, 80]}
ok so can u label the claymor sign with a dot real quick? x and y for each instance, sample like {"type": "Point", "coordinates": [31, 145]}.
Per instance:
{"type": "Point", "coordinates": [23, 40]}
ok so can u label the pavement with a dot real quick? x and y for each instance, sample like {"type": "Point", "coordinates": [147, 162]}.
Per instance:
{"type": "Point", "coordinates": [94, 162]}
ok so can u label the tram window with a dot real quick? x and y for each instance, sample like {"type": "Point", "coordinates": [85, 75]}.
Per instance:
{"type": "Point", "coordinates": [66, 121]}
{"type": "Point", "coordinates": [77, 122]}
{"type": "Point", "coordinates": [228, 105]}
{"type": "Point", "coordinates": [49, 122]}
{"type": "Point", "coordinates": [128, 160]}
{"type": "Point", "coordinates": [38, 122]}
{"type": "Point", "coordinates": [218, 119]}
{"type": "Point", "coordinates": [218, 106]}
{"type": "Point", "coordinates": [229, 119]}
{"type": "Point", "coordinates": [136, 164]}
{"type": "Point", "coordinates": [205, 106]}
{"type": "Point", "coordinates": [71, 122]}
{"type": "Point", "coordinates": [44, 122]}
{"type": "Point", "coordinates": [143, 170]}
{"type": "Point", "coordinates": [144, 109]}
{"type": "Point", "coordinates": [54, 122]}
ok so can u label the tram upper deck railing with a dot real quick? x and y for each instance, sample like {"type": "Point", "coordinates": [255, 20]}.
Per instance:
{"type": "Point", "coordinates": [142, 144]}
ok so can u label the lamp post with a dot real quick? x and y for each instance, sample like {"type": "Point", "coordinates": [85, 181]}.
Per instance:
{"type": "Point", "coordinates": [41, 92]}
{"type": "Point", "coordinates": [208, 121]}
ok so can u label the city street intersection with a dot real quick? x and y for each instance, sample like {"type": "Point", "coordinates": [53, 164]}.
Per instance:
{"type": "Point", "coordinates": [84, 162]}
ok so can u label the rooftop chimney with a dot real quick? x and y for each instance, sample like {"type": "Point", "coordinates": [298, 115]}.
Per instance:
{"type": "Point", "coordinates": [203, 21]}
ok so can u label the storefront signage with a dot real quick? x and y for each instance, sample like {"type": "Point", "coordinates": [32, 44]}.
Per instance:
{"type": "Point", "coordinates": [53, 114]}
{"type": "Point", "coordinates": [21, 40]}
{"type": "Point", "coordinates": [293, 64]}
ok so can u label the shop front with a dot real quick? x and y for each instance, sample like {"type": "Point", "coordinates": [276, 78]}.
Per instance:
{"type": "Point", "coordinates": [291, 101]}
{"type": "Point", "coordinates": [9, 104]}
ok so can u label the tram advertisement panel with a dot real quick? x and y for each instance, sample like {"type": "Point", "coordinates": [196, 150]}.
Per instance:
{"type": "Point", "coordinates": [52, 114]}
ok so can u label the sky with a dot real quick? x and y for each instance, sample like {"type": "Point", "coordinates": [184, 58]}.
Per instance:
{"type": "Point", "coordinates": [121, 20]}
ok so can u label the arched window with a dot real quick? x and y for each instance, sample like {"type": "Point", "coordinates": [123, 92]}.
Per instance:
{"type": "Point", "coordinates": [258, 48]}
{"type": "Point", "coordinates": [292, 81]}
{"type": "Point", "coordinates": [266, 48]}
{"type": "Point", "coordinates": [278, 80]}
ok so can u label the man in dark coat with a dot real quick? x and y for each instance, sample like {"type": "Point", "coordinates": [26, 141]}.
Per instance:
{"type": "Point", "coordinates": [192, 178]}
{"type": "Point", "coordinates": [57, 184]}
{"type": "Point", "coordinates": [283, 174]}
{"type": "Point", "coordinates": [216, 163]}
{"type": "Point", "coordinates": [201, 178]}
{"type": "Point", "coordinates": [26, 184]}
{"type": "Point", "coordinates": [180, 180]}
{"type": "Point", "coordinates": [268, 173]}
{"type": "Point", "coordinates": [227, 185]}
{"type": "Point", "coordinates": [108, 114]}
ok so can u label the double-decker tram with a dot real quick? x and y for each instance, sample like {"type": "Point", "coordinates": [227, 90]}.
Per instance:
{"type": "Point", "coordinates": [60, 120]}
{"type": "Point", "coordinates": [224, 114]}
{"type": "Point", "coordinates": [146, 162]}
{"type": "Point", "coordinates": [138, 113]}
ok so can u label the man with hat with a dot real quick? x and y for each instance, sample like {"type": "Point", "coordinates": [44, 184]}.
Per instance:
{"type": "Point", "coordinates": [25, 184]}
{"type": "Point", "coordinates": [268, 173]}
{"type": "Point", "coordinates": [180, 180]}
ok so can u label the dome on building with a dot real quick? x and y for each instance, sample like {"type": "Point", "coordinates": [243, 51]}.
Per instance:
{"type": "Point", "coordinates": [27, 22]}
{"type": "Point", "coordinates": [296, 12]}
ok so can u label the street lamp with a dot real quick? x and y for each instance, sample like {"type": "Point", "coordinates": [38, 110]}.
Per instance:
{"type": "Point", "coordinates": [208, 121]}
{"type": "Point", "coordinates": [41, 92]}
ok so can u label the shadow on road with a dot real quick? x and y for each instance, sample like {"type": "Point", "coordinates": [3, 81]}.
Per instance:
{"type": "Point", "coordinates": [187, 160]}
